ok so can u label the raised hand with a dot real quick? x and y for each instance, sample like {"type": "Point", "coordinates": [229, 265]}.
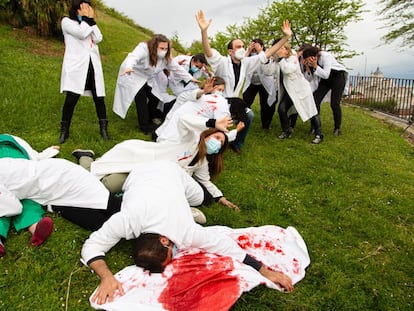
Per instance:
{"type": "Point", "coordinates": [286, 28]}
{"type": "Point", "coordinates": [201, 20]}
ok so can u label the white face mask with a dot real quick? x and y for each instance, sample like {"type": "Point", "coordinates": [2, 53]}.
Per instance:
{"type": "Point", "coordinates": [161, 54]}
{"type": "Point", "coordinates": [240, 53]}
{"type": "Point", "coordinates": [218, 92]}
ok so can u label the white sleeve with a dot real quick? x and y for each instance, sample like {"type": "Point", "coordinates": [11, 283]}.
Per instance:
{"type": "Point", "coordinates": [96, 34]}
{"type": "Point", "coordinates": [216, 61]}
{"type": "Point", "coordinates": [202, 175]}
{"type": "Point", "coordinates": [80, 31]}
{"type": "Point", "coordinates": [326, 61]}
{"type": "Point", "coordinates": [10, 205]}
{"type": "Point", "coordinates": [213, 242]}
{"type": "Point", "coordinates": [136, 56]}
{"type": "Point", "coordinates": [113, 230]}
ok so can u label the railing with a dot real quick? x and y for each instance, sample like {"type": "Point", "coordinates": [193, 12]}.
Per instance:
{"type": "Point", "coordinates": [388, 95]}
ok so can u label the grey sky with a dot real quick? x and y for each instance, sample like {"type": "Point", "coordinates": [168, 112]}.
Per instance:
{"type": "Point", "coordinates": [169, 17]}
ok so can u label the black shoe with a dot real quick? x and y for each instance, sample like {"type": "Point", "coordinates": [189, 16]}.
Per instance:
{"type": "Point", "coordinates": [337, 132]}
{"type": "Point", "coordinates": [78, 153]}
{"type": "Point", "coordinates": [235, 148]}
{"type": "Point", "coordinates": [317, 140]}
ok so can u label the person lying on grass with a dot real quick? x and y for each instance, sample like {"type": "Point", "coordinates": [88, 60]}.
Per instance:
{"type": "Point", "coordinates": [155, 200]}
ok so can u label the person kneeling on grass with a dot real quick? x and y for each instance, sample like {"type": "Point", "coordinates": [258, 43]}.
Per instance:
{"type": "Point", "coordinates": [155, 200]}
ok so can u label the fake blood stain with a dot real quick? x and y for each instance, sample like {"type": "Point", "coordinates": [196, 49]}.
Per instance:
{"type": "Point", "coordinates": [200, 282]}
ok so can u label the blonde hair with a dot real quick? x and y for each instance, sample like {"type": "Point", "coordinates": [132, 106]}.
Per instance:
{"type": "Point", "coordinates": [288, 47]}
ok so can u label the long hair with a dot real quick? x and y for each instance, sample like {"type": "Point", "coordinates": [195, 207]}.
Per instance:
{"type": "Point", "coordinates": [73, 10]}
{"type": "Point", "coordinates": [149, 253]}
{"type": "Point", "coordinates": [153, 46]}
{"type": "Point", "coordinates": [215, 161]}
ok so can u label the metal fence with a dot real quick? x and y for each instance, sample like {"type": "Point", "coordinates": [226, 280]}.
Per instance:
{"type": "Point", "coordinates": [388, 95]}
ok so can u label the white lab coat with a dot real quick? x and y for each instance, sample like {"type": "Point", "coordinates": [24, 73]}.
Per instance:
{"type": "Point", "coordinates": [267, 74]}
{"type": "Point", "coordinates": [222, 66]}
{"type": "Point", "coordinates": [123, 157]}
{"type": "Point", "coordinates": [49, 152]}
{"type": "Point", "coordinates": [80, 48]}
{"type": "Point", "coordinates": [176, 85]}
{"type": "Point", "coordinates": [297, 87]}
{"type": "Point", "coordinates": [209, 106]}
{"type": "Point", "coordinates": [155, 200]}
{"type": "Point", "coordinates": [49, 182]}
{"type": "Point", "coordinates": [128, 85]}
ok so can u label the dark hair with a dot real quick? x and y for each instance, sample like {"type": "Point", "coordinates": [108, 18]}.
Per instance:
{"type": "Point", "coordinates": [153, 46]}
{"type": "Point", "coordinates": [312, 51]}
{"type": "Point", "coordinates": [276, 41]}
{"type": "Point", "coordinates": [73, 10]}
{"type": "Point", "coordinates": [230, 44]}
{"type": "Point", "coordinates": [260, 41]}
{"type": "Point", "coordinates": [215, 161]}
{"type": "Point", "coordinates": [304, 47]}
{"type": "Point", "coordinates": [200, 58]}
{"type": "Point", "coordinates": [149, 253]}
{"type": "Point", "coordinates": [237, 108]}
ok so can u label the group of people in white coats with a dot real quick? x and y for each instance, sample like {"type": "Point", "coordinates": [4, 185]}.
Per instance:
{"type": "Point", "coordinates": [118, 195]}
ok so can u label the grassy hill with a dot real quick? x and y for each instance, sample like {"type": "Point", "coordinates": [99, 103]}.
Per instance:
{"type": "Point", "coordinates": [351, 197]}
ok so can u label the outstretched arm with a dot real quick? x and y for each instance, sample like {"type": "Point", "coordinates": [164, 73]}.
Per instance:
{"type": "Point", "coordinates": [108, 286]}
{"type": "Point", "coordinates": [287, 32]}
{"type": "Point", "coordinates": [277, 277]}
{"type": "Point", "coordinates": [204, 24]}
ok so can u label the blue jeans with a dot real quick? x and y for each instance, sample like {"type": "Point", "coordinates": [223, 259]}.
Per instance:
{"type": "Point", "coordinates": [241, 136]}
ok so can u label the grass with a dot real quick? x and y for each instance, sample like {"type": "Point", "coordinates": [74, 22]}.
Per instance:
{"type": "Point", "coordinates": [351, 197]}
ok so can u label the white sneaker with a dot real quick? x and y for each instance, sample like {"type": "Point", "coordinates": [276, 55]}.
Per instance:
{"type": "Point", "coordinates": [198, 216]}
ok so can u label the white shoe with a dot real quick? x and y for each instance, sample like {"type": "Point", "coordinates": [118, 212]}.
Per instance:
{"type": "Point", "coordinates": [198, 216]}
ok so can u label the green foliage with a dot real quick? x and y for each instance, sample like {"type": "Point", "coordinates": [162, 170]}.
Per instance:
{"type": "Point", "coordinates": [399, 21]}
{"type": "Point", "coordinates": [350, 197]}
{"type": "Point", "coordinates": [317, 22]}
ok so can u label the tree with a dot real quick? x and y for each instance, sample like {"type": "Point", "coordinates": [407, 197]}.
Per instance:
{"type": "Point", "coordinates": [318, 22]}
{"type": "Point", "coordinates": [399, 18]}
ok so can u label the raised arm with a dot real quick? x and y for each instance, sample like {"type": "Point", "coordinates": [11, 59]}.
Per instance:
{"type": "Point", "coordinates": [287, 32]}
{"type": "Point", "coordinates": [204, 24]}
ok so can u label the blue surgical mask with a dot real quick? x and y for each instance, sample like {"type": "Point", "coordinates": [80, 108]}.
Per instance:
{"type": "Point", "coordinates": [174, 251]}
{"type": "Point", "coordinates": [79, 18]}
{"type": "Point", "coordinates": [194, 69]}
{"type": "Point", "coordinates": [213, 145]}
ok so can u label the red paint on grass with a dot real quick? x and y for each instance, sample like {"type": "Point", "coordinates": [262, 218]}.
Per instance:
{"type": "Point", "coordinates": [200, 283]}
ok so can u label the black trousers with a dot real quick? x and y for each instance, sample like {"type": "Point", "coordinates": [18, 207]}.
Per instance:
{"type": "Point", "coordinates": [266, 111]}
{"type": "Point", "coordinates": [336, 83]}
{"type": "Point", "coordinates": [146, 104]}
{"type": "Point", "coordinates": [89, 218]}
{"type": "Point", "coordinates": [72, 98]}
{"type": "Point", "coordinates": [286, 122]}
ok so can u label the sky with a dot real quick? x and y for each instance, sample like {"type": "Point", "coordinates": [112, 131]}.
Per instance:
{"type": "Point", "coordinates": [178, 17]}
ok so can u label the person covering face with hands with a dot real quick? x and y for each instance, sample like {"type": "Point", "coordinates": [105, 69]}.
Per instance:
{"type": "Point", "coordinates": [82, 72]}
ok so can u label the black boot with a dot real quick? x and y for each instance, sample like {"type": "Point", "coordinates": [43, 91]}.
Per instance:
{"type": "Point", "coordinates": [64, 131]}
{"type": "Point", "coordinates": [103, 125]}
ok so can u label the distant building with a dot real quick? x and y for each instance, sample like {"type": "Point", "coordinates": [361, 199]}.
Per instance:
{"type": "Point", "coordinates": [377, 88]}
{"type": "Point", "coordinates": [377, 73]}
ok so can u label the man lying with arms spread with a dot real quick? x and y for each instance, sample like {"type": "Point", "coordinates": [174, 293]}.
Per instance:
{"type": "Point", "coordinates": [157, 198]}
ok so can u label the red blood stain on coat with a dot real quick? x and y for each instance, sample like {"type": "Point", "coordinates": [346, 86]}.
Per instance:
{"type": "Point", "coordinates": [200, 282]}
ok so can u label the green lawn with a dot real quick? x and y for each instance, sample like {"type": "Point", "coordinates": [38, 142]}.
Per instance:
{"type": "Point", "coordinates": [351, 197]}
